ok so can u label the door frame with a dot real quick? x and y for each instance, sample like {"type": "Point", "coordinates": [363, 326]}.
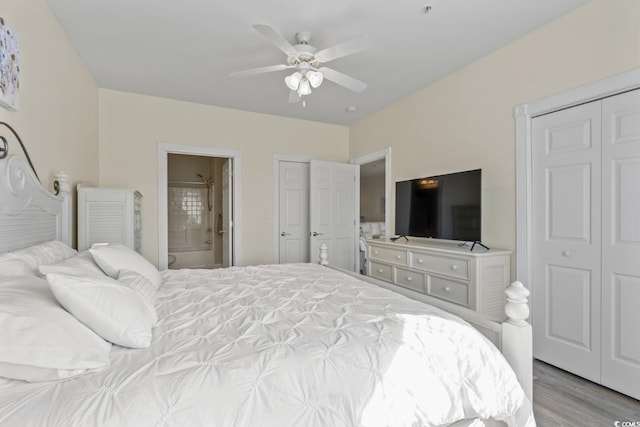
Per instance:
{"type": "Point", "coordinates": [385, 154]}
{"type": "Point", "coordinates": [524, 113]}
{"type": "Point", "coordinates": [163, 221]}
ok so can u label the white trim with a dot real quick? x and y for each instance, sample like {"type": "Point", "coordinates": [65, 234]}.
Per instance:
{"type": "Point", "coordinates": [385, 153]}
{"type": "Point", "coordinates": [277, 158]}
{"type": "Point", "coordinates": [523, 115]}
{"type": "Point", "coordinates": [236, 157]}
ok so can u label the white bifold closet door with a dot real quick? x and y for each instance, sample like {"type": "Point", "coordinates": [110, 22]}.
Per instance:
{"type": "Point", "coordinates": [621, 243]}
{"type": "Point", "coordinates": [566, 239]}
{"type": "Point", "coordinates": [586, 240]}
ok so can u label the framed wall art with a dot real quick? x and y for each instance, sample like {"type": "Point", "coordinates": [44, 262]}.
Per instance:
{"type": "Point", "coordinates": [9, 67]}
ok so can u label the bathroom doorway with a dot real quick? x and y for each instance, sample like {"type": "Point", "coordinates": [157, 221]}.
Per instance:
{"type": "Point", "coordinates": [375, 198]}
{"type": "Point", "coordinates": [198, 212]}
{"type": "Point", "coordinates": [195, 211]}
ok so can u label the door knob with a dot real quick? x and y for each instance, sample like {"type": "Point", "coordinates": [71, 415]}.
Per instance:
{"type": "Point", "coordinates": [285, 234]}
{"type": "Point", "coordinates": [314, 234]}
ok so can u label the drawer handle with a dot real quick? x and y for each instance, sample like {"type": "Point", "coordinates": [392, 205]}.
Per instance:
{"type": "Point", "coordinates": [446, 289]}
{"type": "Point", "coordinates": [398, 256]}
{"type": "Point", "coordinates": [409, 279]}
{"type": "Point", "coordinates": [566, 254]}
{"type": "Point", "coordinates": [420, 261]}
{"type": "Point", "coordinates": [375, 252]}
{"type": "Point", "coordinates": [380, 270]}
{"type": "Point", "coordinates": [454, 267]}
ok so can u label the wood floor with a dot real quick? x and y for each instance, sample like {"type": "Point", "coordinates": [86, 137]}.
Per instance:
{"type": "Point", "coordinates": [563, 399]}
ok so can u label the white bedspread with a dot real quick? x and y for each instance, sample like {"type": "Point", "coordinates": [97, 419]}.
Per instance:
{"type": "Point", "coordinates": [294, 345]}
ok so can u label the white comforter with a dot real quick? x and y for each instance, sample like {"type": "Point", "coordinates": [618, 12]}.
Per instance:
{"type": "Point", "coordinates": [294, 345]}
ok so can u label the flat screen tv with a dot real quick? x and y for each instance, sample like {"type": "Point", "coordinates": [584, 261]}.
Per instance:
{"type": "Point", "coordinates": [442, 207]}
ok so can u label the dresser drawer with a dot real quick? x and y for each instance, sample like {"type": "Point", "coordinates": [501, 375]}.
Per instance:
{"type": "Point", "coordinates": [411, 279]}
{"type": "Point", "coordinates": [396, 256]}
{"type": "Point", "coordinates": [448, 290]}
{"type": "Point", "coordinates": [449, 266]}
{"type": "Point", "coordinates": [381, 271]}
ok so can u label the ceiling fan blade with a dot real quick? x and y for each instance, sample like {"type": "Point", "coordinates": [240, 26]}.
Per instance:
{"type": "Point", "coordinates": [343, 49]}
{"type": "Point", "coordinates": [343, 80]}
{"type": "Point", "coordinates": [259, 70]}
{"type": "Point", "coordinates": [294, 97]}
{"type": "Point", "coordinates": [275, 38]}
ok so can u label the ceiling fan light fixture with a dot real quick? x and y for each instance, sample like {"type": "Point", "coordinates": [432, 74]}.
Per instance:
{"type": "Point", "coordinates": [305, 87]}
{"type": "Point", "coordinates": [315, 78]}
{"type": "Point", "coordinates": [293, 81]}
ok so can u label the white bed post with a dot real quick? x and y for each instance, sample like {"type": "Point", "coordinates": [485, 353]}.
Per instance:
{"type": "Point", "coordinates": [324, 254]}
{"type": "Point", "coordinates": [517, 340]}
{"type": "Point", "coordinates": [63, 190]}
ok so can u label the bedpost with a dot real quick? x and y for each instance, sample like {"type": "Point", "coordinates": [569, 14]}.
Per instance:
{"type": "Point", "coordinates": [63, 190]}
{"type": "Point", "coordinates": [324, 254]}
{"type": "Point", "coordinates": [517, 341]}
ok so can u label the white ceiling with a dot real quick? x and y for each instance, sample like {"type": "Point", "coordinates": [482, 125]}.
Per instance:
{"type": "Point", "coordinates": [186, 49]}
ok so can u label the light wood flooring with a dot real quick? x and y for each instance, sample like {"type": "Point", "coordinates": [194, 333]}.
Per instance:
{"type": "Point", "coordinates": [563, 399]}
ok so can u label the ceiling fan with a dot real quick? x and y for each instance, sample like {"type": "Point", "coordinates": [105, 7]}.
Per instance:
{"type": "Point", "coordinates": [305, 60]}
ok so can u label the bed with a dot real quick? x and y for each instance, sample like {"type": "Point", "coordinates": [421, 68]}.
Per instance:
{"type": "Point", "coordinates": [271, 345]}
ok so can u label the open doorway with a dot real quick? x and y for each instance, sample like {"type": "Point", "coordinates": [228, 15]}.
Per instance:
{"type": "Point", "coordinates": [375, 193]}
{"type": "Point", "coordinates": [195, 212]}
{"type": "Point", "coordinates": [198, 209]}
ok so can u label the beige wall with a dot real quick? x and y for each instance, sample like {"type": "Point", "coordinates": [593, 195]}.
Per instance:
{"type": "Point", "coordinates": [57, 116]}
{"type": "Point", "coordinates": [465, 120]}
{"type": "Point", "coordinates": [131, 126]}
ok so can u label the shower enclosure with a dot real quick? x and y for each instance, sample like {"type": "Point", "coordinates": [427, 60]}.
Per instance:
{"type": "Point", "coordinates": [193, 212]}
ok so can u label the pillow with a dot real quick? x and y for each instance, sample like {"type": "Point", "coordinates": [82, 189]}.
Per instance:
{"type": "Point", "coordinates": [44, 253]}
{"type": "Point", "coordinates": [80, 265]}
{"type": "Point", "coordinates": [114, 311]}
{"type": "Point", "coordinates": [143, 287]}
{"type": "Point", "coordinates": [113, 258]}
{"type": "Point", "coordinates": [365, 230]}
{"type": "Point", "coordinates": [11, 266]}
{"type": "Point", "coordinates": [40, 340]}
{"type": "Point", "coordinates": [375, 229]}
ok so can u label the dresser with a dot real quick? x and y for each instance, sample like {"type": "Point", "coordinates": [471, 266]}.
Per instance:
{"type": "Point", "coordinates": [443, 270]}
{"type": "Point", "coordinates": [109, 215]}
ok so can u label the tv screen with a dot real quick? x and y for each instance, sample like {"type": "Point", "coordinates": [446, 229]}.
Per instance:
{"type": "Point", "coordinates": [443, 207]}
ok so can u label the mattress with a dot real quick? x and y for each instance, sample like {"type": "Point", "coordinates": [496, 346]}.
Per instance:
{"type": "Point", "coordinates": [284, 345]}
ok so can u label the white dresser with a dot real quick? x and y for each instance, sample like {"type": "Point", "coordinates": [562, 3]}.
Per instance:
{"type": "Point", "coordinates": [443, 270]}
{"type": "Point", "coordinates": [109, 215]}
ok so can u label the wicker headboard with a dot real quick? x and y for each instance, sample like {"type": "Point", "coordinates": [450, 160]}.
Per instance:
{"type": "Point", "coordinates": [29, 214]}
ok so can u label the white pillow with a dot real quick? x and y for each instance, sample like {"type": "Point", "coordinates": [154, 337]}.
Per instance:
{"type": "Point", "coordinates": [40, 340]}
{"type": "Point", "coordinates": [145, 289]}
{"type": "Point", "coordinates": [12, 266]}
{"type": "Point", "coordinates": [114, 311]}
{"type": "Point", "coordinates": [365, 230]}
{"type": "Point", "coordinates": [44, 253]}
{"type": "Point", "coordinates": [114, 258]}
{"type": "Point", "coordinates": [80, 265]}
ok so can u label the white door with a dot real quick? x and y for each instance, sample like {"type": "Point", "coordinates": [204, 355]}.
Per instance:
{"type": "Point", "coordinates": [293, 209]}
{"type": "Point", "coordinates": [334, 189]}
{"type": "Point", "coordinates": [566, 152]}
{"type": "Point", "coordinates": [227, 222]}
{"type": "Point", "coordinates": [621, 243]}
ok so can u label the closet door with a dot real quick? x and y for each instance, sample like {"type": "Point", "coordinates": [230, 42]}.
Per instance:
{"type": "Point", "coordinates": [621, 243]}
{"type": "Point", "coordinates": [293, 198]}
{"type": "Point", "coordinates": [566, 183]}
